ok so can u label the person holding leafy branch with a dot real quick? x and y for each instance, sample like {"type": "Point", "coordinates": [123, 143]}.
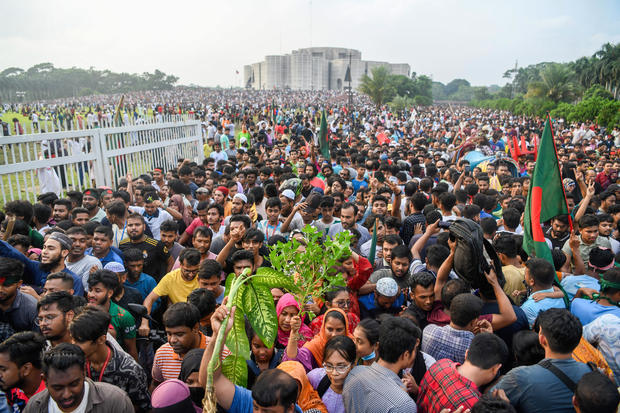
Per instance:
{"type": "Point", "coordinates": [287, 311]}
{"type": "Point", "coordinates": [335, 323]}
{"type": "Point", "coordinates": [237, 399]}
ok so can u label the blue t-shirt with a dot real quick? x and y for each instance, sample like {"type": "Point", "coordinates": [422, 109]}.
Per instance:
{"type": "Point", "coordinates": [572, 283]}
{"type": "Point", "coordinates": [110, 257]}
{"type": "Point", "coordinates": [534, 389]}
{"type": "Point", "coordinates": [587, 311]}
{"type": "Point", "coordinates": [532, 308]}
{"type": "Point", "coordinates": [242, 402]}
{"type": "Point", "coordinates": [358, 184]}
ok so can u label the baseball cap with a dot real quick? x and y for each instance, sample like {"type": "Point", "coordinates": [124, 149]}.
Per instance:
{"type": "Point", "coordinates": [202, 190]}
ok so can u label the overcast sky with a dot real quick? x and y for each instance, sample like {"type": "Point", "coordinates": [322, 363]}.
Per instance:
{"type": "Point", "coordinates": [205, 42]}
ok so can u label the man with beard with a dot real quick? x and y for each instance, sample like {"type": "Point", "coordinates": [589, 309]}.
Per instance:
{"type": "Point", "coordinates": [55, 250]}
{"type": "Point", "coordinates": [237, 206]}
{"type": "Point", "coordinates": [61, 211]}
{"type": "Point", "coordinates": [77, 261]}
{"type": "Point", "coordinates": [90, 201]}
{"type": "Point", "coordinates": [55, 312]}
{"type": "Point", "coordinates": [348, 212]}
{"type": "Point", "coordinates": [157, 259]}
{"type": "Point", "coordinates": [20, 368]}
{"type": "Point", "coordinates": [134, 263]}
{"type": "Point", "coordinates": [16, 308]}
{"type": "Point", "coordinates": [69, 390]}
{"type": "Point", "coordinates": [557, 233]}
{"type": "Point", "coordinates": [102, 285]}
{"type": "Point", "coordinates": [103, 362]}
{"type": "Point", "coordinates": [399, 268]}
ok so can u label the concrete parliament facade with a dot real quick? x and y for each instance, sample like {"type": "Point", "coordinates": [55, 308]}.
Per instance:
{"type": "Point", "coordinates": [314, 68]}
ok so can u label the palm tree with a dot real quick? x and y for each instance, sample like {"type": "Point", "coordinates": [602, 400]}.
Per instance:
{"type": "Point", "coordinates": [378, 88]}
{"type": "Point", "coordinates": [556, 84]}
{"type": "Point", "coordinates": [607, 67]}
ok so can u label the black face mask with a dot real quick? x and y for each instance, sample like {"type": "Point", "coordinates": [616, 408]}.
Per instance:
{"type": "Point", "coordinates": [197, 394]}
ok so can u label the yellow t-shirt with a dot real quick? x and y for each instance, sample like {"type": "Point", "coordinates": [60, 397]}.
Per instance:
{"type": "Point", "coordinates": [514, 279]}
{"type": "Point", "coordinates": [207, 150]}
{"type": "Point", "coordinates": [175, 287]}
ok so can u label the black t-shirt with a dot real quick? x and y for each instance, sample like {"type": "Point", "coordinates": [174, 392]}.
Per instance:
{"type": "Point", "coordinates": [155, 255]}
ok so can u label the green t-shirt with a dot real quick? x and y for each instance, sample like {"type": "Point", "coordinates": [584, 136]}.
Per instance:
{"type": "Point", "coordinates": [123, 322]}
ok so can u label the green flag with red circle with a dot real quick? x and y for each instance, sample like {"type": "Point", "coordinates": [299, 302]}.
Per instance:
{"type": "Point", "coordinates": [545, 198]}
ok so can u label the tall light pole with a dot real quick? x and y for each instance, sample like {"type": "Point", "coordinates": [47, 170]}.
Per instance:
{"type": "Point", "coordinates": [347, 78]}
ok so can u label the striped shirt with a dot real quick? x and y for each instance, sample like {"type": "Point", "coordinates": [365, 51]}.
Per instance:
{"type": "Point", "coordinates": [167, 363]}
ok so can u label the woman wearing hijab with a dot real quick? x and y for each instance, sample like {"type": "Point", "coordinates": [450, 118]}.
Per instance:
{"type": "Point", "coordinates": [176, 203]}
{"type": "Point", "coordinates": [335, 323]}
{"type": "Point", "coordinates": [173, 396]}
{"type": "Point", "coordinates": [308, 398]}
{"type": "Point", "coordinates": [189, 375]}
{"type": "Point", "coordinates": [287, 309]}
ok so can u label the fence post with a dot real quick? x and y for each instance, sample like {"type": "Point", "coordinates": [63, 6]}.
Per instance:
{"type": "Point", "coordinates": [101, 177]}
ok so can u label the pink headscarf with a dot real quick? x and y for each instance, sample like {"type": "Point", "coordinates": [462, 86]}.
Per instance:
{"type": "Point", "coordinates": [178, 201]}
{"type": "Point", "coordinates": [287, 300]}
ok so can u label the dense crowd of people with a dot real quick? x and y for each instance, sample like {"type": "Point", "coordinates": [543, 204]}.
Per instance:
{"type": "Point", "coordinates": [110, 298]}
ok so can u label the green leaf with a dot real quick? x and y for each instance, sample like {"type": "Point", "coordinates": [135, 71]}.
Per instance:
{"type": "Point", "coordinates": [270, 278]}
{"type": "Point", "coordinates": [260, 311]}
{"type": "Point", "coordinates": [236, 370]}
{"type": "Point", "coordinates": [237, 340]}
{"type": "Point", "coordinates": [228, 284]}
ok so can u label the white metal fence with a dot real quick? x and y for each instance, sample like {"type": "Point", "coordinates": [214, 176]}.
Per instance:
{"type": "Point", "coordinates": [76, 159]}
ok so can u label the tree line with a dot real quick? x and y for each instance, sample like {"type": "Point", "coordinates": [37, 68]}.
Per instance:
{"type": "Point", "coordinates": [44, 81]}
{"type": "Point", "coordinates": [585, 90]}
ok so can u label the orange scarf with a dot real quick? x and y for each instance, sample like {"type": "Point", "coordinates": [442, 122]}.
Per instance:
{"type": "Point", "coordinates": [317, 344]}
{"type": "Point", "coordinates": [308, 398]}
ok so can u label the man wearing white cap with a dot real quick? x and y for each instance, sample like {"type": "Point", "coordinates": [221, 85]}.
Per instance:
{"type": "Point", "coordinates": [387, 299]}
{"type": "Point", "coordinates": [237, 206]}
{"type": "Point", "coordinates": [125, 295]}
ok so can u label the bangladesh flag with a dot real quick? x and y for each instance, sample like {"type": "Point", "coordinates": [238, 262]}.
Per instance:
{"type": "Point", "coordinates": [546, 197]}
{"type": "Point", "coordinates": [323, 144]}
{"type": "Point", "coordinates": [373, 245]}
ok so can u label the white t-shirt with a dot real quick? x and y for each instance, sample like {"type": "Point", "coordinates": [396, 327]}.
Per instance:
{"type": "Point", "coordinates": [83, 266]}
{"type": "Point", "coordinates": [52, 407]}
{"type": "Point", "coordinates": [153, 222]}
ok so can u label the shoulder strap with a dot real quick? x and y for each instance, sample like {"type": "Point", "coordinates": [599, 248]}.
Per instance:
{"type": "Point", "coordinates": [323, 385]}
{"type": "Point", "coordinates": [568, 382]}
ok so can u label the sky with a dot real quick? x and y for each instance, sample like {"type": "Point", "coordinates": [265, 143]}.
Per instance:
{"type": "Point", "coordinates": [205, 42]}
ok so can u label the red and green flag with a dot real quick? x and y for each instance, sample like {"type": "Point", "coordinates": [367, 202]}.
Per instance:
{"type": "Point", "coordinates": [545, 199]}
{"type": "Point", "coordinates": [373, 245]}
{"type": "Point", "coordinates": [323, 144]}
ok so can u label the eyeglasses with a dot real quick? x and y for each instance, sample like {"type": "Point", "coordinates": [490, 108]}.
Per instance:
{"type": "Point", "coordinates": [338, 369]}
{"type": "Point", "coordinates": [187, 272]}
{"type": "Point", "coordinates": [343, 304]}
{"type": "Point", "coordinates": [45, 320]}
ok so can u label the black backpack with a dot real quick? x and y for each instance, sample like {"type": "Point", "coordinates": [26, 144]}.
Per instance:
{"type": "Point", "coordinates": [472, 255]}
